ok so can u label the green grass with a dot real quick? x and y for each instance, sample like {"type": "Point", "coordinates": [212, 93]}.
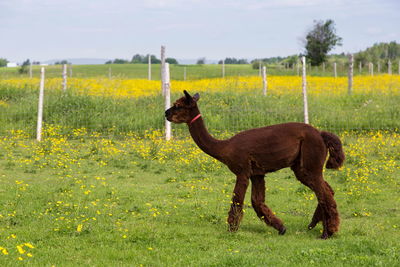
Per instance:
{"type": "Point", "coordinates": [143, 211]}
{"type": "Point", "coordinates": [222, 111]}
{"type": "Point", "coordinates": [140, 71]}
{"type": "Point", "coordinates": [109, 197]}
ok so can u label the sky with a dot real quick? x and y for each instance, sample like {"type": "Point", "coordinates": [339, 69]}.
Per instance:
{"type": "Point", "coordinates": [190, 29]}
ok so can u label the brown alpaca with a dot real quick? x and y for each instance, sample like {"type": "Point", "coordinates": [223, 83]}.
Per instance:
{"type": "Point", "coordinates": [253, 153]}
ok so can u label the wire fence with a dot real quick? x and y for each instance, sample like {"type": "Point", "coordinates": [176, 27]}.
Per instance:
{"type": "Point", "coordinates": [118, 106]}
{"type": "Point", "coordinates": [193, 72]}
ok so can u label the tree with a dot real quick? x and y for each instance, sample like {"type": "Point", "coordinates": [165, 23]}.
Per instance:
{"type": "Point", "coordinates": [138, 59]}
{"type": "Point", "coordinates": [379, 53]}
{"type": "Point", "coordinates": [154, 60]}
{"type": "Point", "coordinates": [120, 61]}
{"type": "Point", "coordinates": [24, 67]}
{"type": "Point", "coordinates": [233, 60]}
{"type": "Point", "coordinates": [62, 62]}
{"type": "Point", "coordinates": [291, 60]}
{"type": "Point", "coordinates": [171, 60]}
{"type": "Point", "coordinates": [3, 62]}
{"type": "Point", "coordinates": [256, 64]}
{"type": "Point", "coordinates": [141, 59]}
{"type": "Point", "coordinates": [320, 40]}
{"type": "Point", "coordinates": [201, 61]}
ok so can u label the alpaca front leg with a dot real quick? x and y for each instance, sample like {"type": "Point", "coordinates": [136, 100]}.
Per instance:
{"type": "Point", "coordinates": [236, 211]}
{"type": "Point", "coordinates": [261, 209]}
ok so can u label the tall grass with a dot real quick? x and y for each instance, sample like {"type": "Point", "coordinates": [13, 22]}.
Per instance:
{"type": "Point", "coordinates": [222, 111]}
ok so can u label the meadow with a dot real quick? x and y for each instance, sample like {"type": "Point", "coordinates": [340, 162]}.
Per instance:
{"type": "Point", "coordinates": [230, 104]}
{"type": "Point", "coordinates": [140, 71]}
{"type": "Point", "coordinates": [103, 188]}
{"type": "Point", "coordinates": [80, 199]}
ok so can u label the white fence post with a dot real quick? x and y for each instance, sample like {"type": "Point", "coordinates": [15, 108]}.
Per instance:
{"type": "Point", "coordinates": [259, 68]}
{"type": "Point", "coordinates": [371, 69]}
{"type": "Point", "coordinates": [30, 70]}
{"type": "Point", "coordinates": [304, 85]}
{"type": "Point", "coordinates": [163, 68]}
{"type": "Point", "coordinates": [360, 67]}
{"type": "Point", "coordinates": [389, 67]}
{"type": "Point", "coordinates": [334, 70]}
{"type": "Point", "coordinates": [167, 94]}
{"type": "Point", "coordinates": [223, 68]}
{"type": "Point", "coordinates": [64, 75]}
{"type": "Point", "coordinates": [109, 73]}
{"type": "Point", "coordinates": [184, 73]}
{"type": "Point", "coordinates": [149, 70]}
{"type": "Point", "coordinates": [264, 78]}
{"type": "Point", "coordinates": [350, 77]}
{"type": "Point", "coordinates": [40, 107]}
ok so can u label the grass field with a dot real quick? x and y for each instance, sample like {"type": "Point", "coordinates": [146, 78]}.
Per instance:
{"type": "Point", "coordinates": [230, 104]}
{"type": "Point", "coordinates": [77, 199]}
{"type": "Point", "coordinates": [103, 188]}
{"type": "Point", "coordinates": [140, 71]}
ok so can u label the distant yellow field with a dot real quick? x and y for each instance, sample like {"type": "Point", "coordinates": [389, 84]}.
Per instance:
{"type": "Point", "coordinates": [278, 85]}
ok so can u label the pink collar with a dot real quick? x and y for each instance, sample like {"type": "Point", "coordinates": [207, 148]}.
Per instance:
{"type": "Point", "coordinates": [195, 118]}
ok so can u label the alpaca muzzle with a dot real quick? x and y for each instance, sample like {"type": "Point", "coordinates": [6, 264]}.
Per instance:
{"type": "Point", "coordinates": [168, 114]}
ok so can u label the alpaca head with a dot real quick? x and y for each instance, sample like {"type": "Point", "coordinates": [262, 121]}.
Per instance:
{"type": "Point", "coordinates": [184, 109]}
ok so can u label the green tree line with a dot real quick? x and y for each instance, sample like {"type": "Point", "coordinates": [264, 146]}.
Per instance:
{"type": "Point", "coordinates": [379, 52]}
{"type": "Point", "coordinates": [142, 59]}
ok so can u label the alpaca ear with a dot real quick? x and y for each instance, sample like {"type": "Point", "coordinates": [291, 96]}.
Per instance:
{"type": "Point", "coordinates": [187, 94]}
{"type": "Point", "coordinates": [188, 98]}
{"type": "Point", "coordinates": [196, 97]}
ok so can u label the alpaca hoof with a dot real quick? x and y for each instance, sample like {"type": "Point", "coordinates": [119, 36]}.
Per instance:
{"type": "Point", "coordinates": [282, 231]}
{"type": "Point", "coordinates": [325, 235]}
{"type": "Point", "coordinates": [233, 228]}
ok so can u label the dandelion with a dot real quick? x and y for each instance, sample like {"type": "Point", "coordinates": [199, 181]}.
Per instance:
{"type": "Point", "coordinates": [12, 236]}
{"type": "Point", "coordinates": [29, 245]}
{"type": "Point", "coordinates": [21, 250]}
{"type": "Point", "coordinates": [4, 251]}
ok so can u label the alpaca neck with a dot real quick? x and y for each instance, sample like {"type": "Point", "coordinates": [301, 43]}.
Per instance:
{"type": "Point", "coordinates": [204, 140]}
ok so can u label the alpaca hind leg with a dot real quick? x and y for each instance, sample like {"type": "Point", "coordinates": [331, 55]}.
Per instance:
{"type": "Point", "coordinates": [326, 209]}
{"type": "Point", "coordinates": [261, 209]}
{"type": "Point", "coordinates": [317, 217]}
{"type": "Point", "coordinates": [235, 214]}
{"type": "Point", "coordinates": [330, 209]}
{"type": "Point", "coordinates": [330, 215]}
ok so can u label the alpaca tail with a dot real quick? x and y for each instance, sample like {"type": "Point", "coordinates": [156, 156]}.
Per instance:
{"type": "Point", "coordinates": [336, 154]}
